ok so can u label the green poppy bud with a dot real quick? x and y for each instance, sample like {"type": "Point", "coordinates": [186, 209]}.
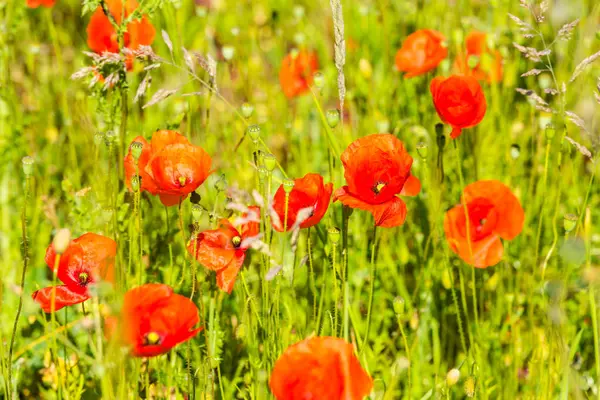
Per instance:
{"type": "Point", "coordinates": [247, 110]}
{"type": "Point", "coordinates": [570, 222]}
{"type": "Point", "coordinates": [319, 80]}
{"type": "Point", "coordinates": [197, 211]}
{"type": "Point", "coordinates": [136, 150]}
{"type": "Point", "coordinates": [270, 162]}
{"type": "Point", "coordinates": [135, 183]}
{"type": "Point", "coordinates": [399, 305]}
{"type": "Point", "coordinates": [28, 165]}
{"type": "Point", "coordinates": [334, 235]}
{"type": "Point", "coordinates": [288, 185]}
{"type": "Point", "coordinates": [550, 131]}
{"type": "Point", "coordinates": [254, 132]}
{"type": "Point", "coordinates": [333, 118]}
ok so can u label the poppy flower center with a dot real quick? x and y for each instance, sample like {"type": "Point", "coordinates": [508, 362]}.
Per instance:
{"type": "Point", "coordinates": [236, 241]}
{"type": "Point", "coordinates": [151, 338]}
{"type": "Point", "coordinates": [182, 181]}
{"type": "Point", "coordinates": [378, 187]}
{"type": "Point", "coordinates": [83, 278]}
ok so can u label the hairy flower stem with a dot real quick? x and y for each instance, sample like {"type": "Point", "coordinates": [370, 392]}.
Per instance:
{"type": "Point", "coordinates": [336, 291]}
{"type": "Point", "coordinates": [371, 289]}
{"type": "Point", "coordinates": [542, 207]}
{"type": "Point", "coordinates": [53, 319]}
{"type": "Point", "coordinates": [346, 317]}
{"type": "Point", "coordinates": [407, 349]}
{"type": "Point", "coordinates": [25, 255]}
{"type": "Point", "coordinates": [313, 286]}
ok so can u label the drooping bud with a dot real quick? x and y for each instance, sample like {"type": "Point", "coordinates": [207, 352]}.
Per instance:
{"type": "Point", "coordinates": [334, 235]}
{"type": "Point", "coordinates": [422, 149]}
{"type": "Point", "coordinates": [319, 80]}
{"type": "Point", "coordinates": [333, 118]}
{"type": "Point", "coordinates": [570, 222]}
{"type": "Point", "coordinates": [288, 185]}
{"type": "Point", "coordinates": [136, 150]}
{"type": "Point", "coordinates": [452, 377]}
{"type": "Point", "coordinates": [61, 241]}
{"type": "Point", "coordinates": [270, 162]}
{"type": "Point", "coordinates": [247, 110]}
{"type": "Point", "coordinates": [28, 165]}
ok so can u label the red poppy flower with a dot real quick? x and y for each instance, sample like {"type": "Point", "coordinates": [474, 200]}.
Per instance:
{"type": "Point", "coordinates": [377, 169]}
{"type": "Point", "coordinates": [103, 37]}
{"type": "Point", "coordinates": [169, 166]}
{"type": "Point", "coordinates": [489, 64]}
{"type": "Point", "coordinates": [494, 213]}
{"type": "Point", "coordinates": [421, 52]}
{"type": "Point", "coordinates": [319, 368]}
{"type": "Point", "coordinates": [309, 193]}
{"type": "Point", "coordinates": [296, 73]}
{"type": "Point", "coordinates": [459, 101]}
{"type": "Point", "coordinates": [37, 3]}
{"type": "Point", "coordinates": [223, 250]}
{"type": "Point", "coordinates": [154, 319]}
{"type": "Point", "coordinates": [89, 259]}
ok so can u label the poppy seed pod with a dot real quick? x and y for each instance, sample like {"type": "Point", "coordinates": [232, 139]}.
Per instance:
{"type": "Point", "coordinates": [110, 137]}
{"type": "Point", "coordinates": [270, 162]}
{"type": "Point", "coordinates": [27, 165]}
{"type": "Point", "coordinates": [570, 222]}
{"type": "Point", "coordinates": [333, 118]}
{"type": "Point", "coordinates": [550, 131]}
{"type": "Point", "coordinates": [515, 151]}
{"type": "Point", "coordinates": [98, 138]}
{"type": "Point", "coordinates": [399, 305]}
{"type": "Point", "coordinates": [135, 183]}
{"type": "Point", "coordinates": [221, 183]}
{"type": "Point", "coordinates": [247, 110]}
{"type": "Point", "coordinates": [319, 80]}
{"type": "Point", "coordinates": [254, 133]}
{"type": "Point", "coordinates": [422, 149]}
{"type": "Point", "coordinates": [452, 377]}
{"type": "Point", "coordinates": [197, 211]}
{"type": "Point", "coordinates": [288, 185]}
{"type": "Point", "coordinates": [61, 240]}
{"type": "Point", "coordinates": [136, 150]}
{"type": "Point", "coordinates": [334, 235]}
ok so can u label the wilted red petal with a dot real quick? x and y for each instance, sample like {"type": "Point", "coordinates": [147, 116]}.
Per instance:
{"type": "Point", "coordinates": [63, 296]}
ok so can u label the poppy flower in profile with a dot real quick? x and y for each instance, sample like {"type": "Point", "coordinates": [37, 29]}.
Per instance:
{"type": "Point", "coordinates": [223, 250]}
{"type": "Point", "coordinates": [319, 368]}
{"type": "Point", "coordinates": [479, 60]}
{"type": "Point", "coordinates": [377, 169]}
{"type": "Point", "coordinates": [421, 52]}
{"type": "Point", "coordinates": [296, 73]}
{"type": "Point", "coordinates": [89, 259]}
{"type": "Point", "coordinates": [459, 101]}
{"type": "Point", "coordinates": [169, 166]}
{"type": "Point", "coordinates": [37, 3]}
{"type": "Point", "coordinates": [103, 37]}
{"type": "Point", "coordinates": [494, 213]}
{"type": "Point", "coordinates": [154, 319]}
{"type": "Point", "coordinates": [309, 200]}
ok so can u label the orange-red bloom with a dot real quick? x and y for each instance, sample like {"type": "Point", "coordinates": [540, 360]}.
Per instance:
{"type": "Point", "coordinates": [377, 169]}
{"type": "Point", "coordinates": [169, 166]}
{"type": "Point", "coordinates": [89, 259]}
{"type": "Point", "coordinates": [223, 250]}
{"type": "Point", "coordinates": [103, 37]}
{"type": "Point", "coordinates": [319, 368]}
{"type": "Point", "coordinates": [459, 101]}
{"type": "Point", "coordinates": [37, 3]}
{"type": "Point", "coordinates": [494, 213]}
{"type": "Point", "coordinates": [421, 52]}
{"type": "Point", "coordinates": [296, 73]}
{"type": "Point", "coordinates": [488, 62]}
{"type": "Point", "coordinates": [309, 199]}
{"type": "Point", "coordinates": [154, 319]}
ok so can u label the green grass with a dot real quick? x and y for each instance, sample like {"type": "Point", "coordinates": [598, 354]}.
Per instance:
{"type": "Point", "coordinates": [536, 331]}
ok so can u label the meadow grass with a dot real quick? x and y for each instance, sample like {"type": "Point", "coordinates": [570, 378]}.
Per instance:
{"type": "Point", "coordinates": [526, 328]}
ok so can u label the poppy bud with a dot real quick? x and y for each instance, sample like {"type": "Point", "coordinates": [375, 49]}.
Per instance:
{"type": "Point", "coordinates": [254, 132]}
{"type": "Point", "coordinates": [197, 210]}
{"type": "Point", "coordinates": [452, 377]}
{"type": "Point", "coordinates": [399, 305]}
{"type": "Point", "coordinates": [333, 118]}
{"type": "Point", "coordinates": [136, 150]}
{"type": "Point", "coordinates": [470, 386]}
{"type": "Point", "coordinates": [270, 162]}
{"type": "Point", "coordinates": [28, 165]}
{"type": "Point", "coordinates": [135, 183]}
{"type": "Point", "coordinates": [228, 52]}
{"type": "Point", "coordinates": [319, 80]}
{"type": "Point", "coordinates": [98, 138]}
{"type": "Point", "coordinates": [570, 222]}
{"type": "Point", "coordinates": [247, 110]}
{"type": "Point", "coordinates": [422, 149]}
{"type": "Point", "coordinates": [383, 126]}
{"type": "Point", "coordinates": [550, 131]}
{"type": "Point", "coordinates": [515, 151]}
{"type": "Point", "coordinates": [61, 241]}
{"type": "Point", "coordinates": [334, 235]}
{"type": "Point", "coordinates": [288, 185]}
{"type": "Point", "coordinates": [110, 137]}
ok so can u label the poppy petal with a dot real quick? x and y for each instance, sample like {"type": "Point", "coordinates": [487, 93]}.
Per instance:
{"type": "Point", "coordinates": [171, 199]}
{"type": "Point", "coordinates": [227, 276]}
{"type": "Point", "coordinates": [412, 186]}
{"type": "Point", "coordinates": [63, 296]}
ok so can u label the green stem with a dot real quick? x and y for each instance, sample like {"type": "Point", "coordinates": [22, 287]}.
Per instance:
{"type": "Point", "coordinates": [371, 289]}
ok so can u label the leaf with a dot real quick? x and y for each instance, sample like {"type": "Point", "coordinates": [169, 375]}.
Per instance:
{"type": "Point", "coordinates": [160, 95]}
{"type": "Point", "coordinates": [583, 64]}
{"type": "Point", "coordinates": [581, 148]}
{"type": "Point", "coordinates": [167, 40]}
{"type": "Point", "coordinates": [576, 119]}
